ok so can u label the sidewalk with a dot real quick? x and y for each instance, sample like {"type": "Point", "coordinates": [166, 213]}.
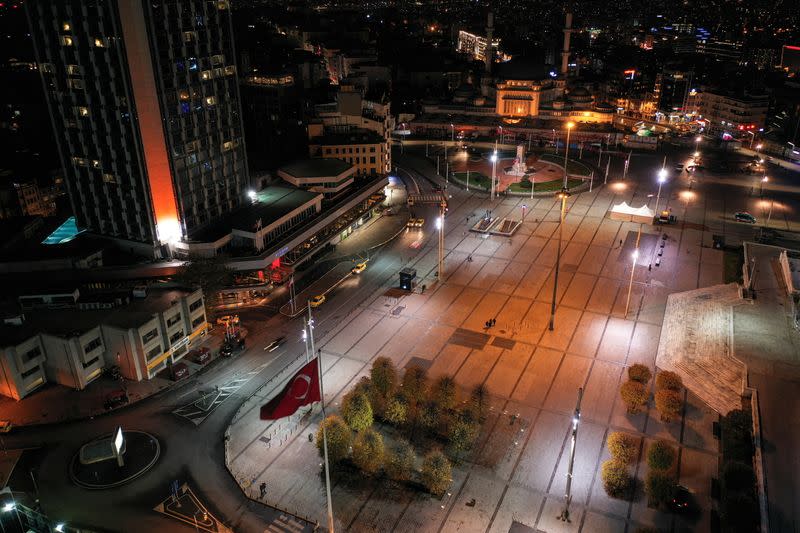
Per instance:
{"type": "Point", "coordinates": [57, 403]}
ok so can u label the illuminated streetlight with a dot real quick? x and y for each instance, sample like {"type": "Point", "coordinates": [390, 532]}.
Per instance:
{"type": "Point", "coordinates": [576, 417]}
{"type": "Point", "coordinates": [59, 527]}
{"type": "Point", "coordinates": [763, 181]}
{"type": "Point", "coordinates": [662, 177]}
{"type": "Point", "coordinates": [493, 158]}
{"type": "Point", "coordinates": [562, 195]}
{"type": "Point", "coordinates": [634, 258]}
{"type": "Point", "coordinates": [10, 506]}
{"type": "Point", "coordinates": [570, 125]}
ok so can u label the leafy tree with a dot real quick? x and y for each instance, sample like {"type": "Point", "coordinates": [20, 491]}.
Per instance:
{"type": "Point", "coordinates": [668, 380]}
{"type": "Point", "coordinates": [396, 411]}
{"type": "Point", "coordinates": [429, 415]}
{"type": "Point", "coordinates": [368, 451]}
{"type": "Point", "coordinates": [339, 438]}
{"type": "Point", "coordinates": [356, 410]}
{"type": "Point", "coordinates": [640, 373]}
{"type": "Point", "coordinates": [384, 377]}
{"type": "Point", "coordinates": [209, 273]}
{"type": "Point", "coordinates": [479, 401]}
{"type": "Point", "coordinates": [669, 404]}
{"type": "Point", "coordinates": [738, 476]}
{"type": "Point", "coordinates": [740, 513]}
{"type": "Point", "coordinates": [445, 393]}
{"type": "Point", "coordinates": [634, 395]}
{"type": "Point", "coordinates": [624, 447]}
{"type": "Point", "coordinates": [461, 436]}
{"type": "Point", "coordinates": [737, 436]}
{"type": "Point", "coordinates": [399, 462]}
{"type": "Point", "coordinates": [661, 455]}
{"type": "Point", "coordinates": [364, 386]}
{"type": "Point", "coordinates": [436, 474]}
{"type": "Point", "coordinates": [415, 385]}
{"type": "Point", "coordinates": [659, 486]}
{"type": "Point", "coordinates": [616, 479]}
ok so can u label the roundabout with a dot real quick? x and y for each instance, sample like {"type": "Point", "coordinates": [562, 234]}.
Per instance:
{"type": "Point", "coordinates": [114, 459]}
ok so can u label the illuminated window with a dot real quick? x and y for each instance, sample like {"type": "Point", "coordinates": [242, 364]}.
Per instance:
{"type": "Point", "coordinates": [192, 63]}
{"type": "Point", "coordinates": [46, 68]}
{"type": "Point", "coordinates": [75, 83]}
{"type": "Point", "coordinates": [82, 111]}
{"type": "Point", "coordinates": [80, 161]}
{"type": "Point", "coordinates": [66, 40]}
{"type": "Point", "coordinates": [66, 26]}
{"type": "Point", "coordinates": [227, 145]}
{"type": "Point", "coordinates": [100, 43]}
{"type": "Point", "coordinates": [230, 70]}
{"type": "Point", "coordinates": [184, 95]}
{"type": "Point", "coordinates": [223, 4]}
{"type": "Point", "coordinates": [73, 70]}
{"type": "Point", "coordinates": [206, 75]}
{"type": "Point", "coordinates": [188, 36]}
{"type": "Point", "coordinates": [211, 100]}
{"type": "Point", "coordinates": [185, 107]}
{"type": "Point", "coordinates": [95, 163]}
{"type": "Point", "coordinates": [217, 59]}
{"type": "Point", "coordinates": [109, 178]}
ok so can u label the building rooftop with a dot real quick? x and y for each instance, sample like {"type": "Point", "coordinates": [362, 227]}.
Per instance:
{"type": "Point", "coordinates": [359, 136]}
{"type": "Point", "coordinates": [316, 167]}
{"type": "Point", "coordinates": [271, 204]}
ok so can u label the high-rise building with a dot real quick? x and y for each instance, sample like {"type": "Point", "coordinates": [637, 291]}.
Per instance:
{"type": "Point", "coordinates": [144, 101]}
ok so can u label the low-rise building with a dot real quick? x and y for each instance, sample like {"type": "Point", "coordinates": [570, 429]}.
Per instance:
{"type": "Point", "coordinates": [329, 176]}
{"type": "Point", "coordinates": [733, 113]}
{"type": "Point", "coordinates": [365, 150]}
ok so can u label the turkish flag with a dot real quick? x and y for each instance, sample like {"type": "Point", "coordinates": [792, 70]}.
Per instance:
{"type": "Point", "coordinates": [302, 389]}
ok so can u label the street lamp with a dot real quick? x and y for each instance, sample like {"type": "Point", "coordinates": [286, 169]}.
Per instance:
{"type": "Point", "coordinates": [761, 189]}
{"type": "Point", "coordinates": [576, 418]}
{"type": "Point", "coordinates": [59, 527]}
{"type": "Point", "coordinates": [524, 208]}
{"type": "Point", "coordinates": [753, 138]}
{"type": "Point", "coordinates": [697, 143]}
{"type": "Point", "coordinates": [562, 195]}
{"type": "Point", "coordinates": [634, 257]}
{"type": "Point", "coordinates": [452, 133]}
{"type": "Point", "coordinates": [662, 177]}
{"type": "Point", "coordinates": [493, 158]}
{"type": "Point", "coordinates": [570, 125]}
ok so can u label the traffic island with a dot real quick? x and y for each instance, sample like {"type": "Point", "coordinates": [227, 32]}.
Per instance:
{"type": "Point", "coordinates": [115, 459]}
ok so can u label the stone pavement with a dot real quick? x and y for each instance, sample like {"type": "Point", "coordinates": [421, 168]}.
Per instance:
{"type": "Point", "coordinates": [531, 371]}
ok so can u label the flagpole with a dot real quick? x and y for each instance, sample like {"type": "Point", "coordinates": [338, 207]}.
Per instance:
{"type": "Point", "coordinates": [324, 433]}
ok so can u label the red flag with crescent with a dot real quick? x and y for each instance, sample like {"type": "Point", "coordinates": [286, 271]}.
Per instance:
{"type": "Point", "coordinates": [302, 389]}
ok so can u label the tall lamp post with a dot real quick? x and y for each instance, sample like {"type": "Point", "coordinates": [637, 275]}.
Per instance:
{"type": "Point", "coordinates": [761, 189]}
{"type": "Point", "coordinates": [635, 257]}
{"type": "Point", "coordinates": [570, 125]}
{"type": "Point", "coordinates": [576, 418]}
{"type": "Point", "coordinates": [562, 195]}
{"type": "Point", "coordinates": [452, 133]}
{"type": "Point", "coordinates": [662, 177]}
{"type": "Point", "coordinates": [494, 170]}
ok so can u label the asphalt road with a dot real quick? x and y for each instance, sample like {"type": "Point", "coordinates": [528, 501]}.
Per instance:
{"type": "Point", "coordinates": [194, 454]}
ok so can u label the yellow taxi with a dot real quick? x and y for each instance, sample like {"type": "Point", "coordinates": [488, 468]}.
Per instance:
{"type": "Point", "coordinates": [359, 268]}
{"type": "Point", "coordinates": [318, 300]}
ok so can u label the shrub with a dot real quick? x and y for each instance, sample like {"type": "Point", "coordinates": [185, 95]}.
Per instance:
{"type": "Point", "coordinates": [436, 474]}
{"type": "Point", "coordinates": [415, 384]}
{"type": "Point", "coordinates": [384, 377]}
{"type": "Point", "coordinates": [640, 373]}
{"type": "Point", "coordinates": [525, 183]}
{"type": "Point", "coordinates": [624, 447]}
{"type": "Point", "coordinates": [737, 436]}
{"type": "Point", "coordinates": [668, 380]}
{"type": "Point", "coordinates": [616, 479]}
{"type": "Point", "coordinates": [368, 451]}
{"type": "Point", "coordinates": [461, 436]}
{"type": "Point", "coordinates": [364, 386]}
{"type": "Point", "coordinates": [479, 401]}
{"type": "Point", "coordinates": [396, 411]}
{"type": "Point", "coordinates": [738, 476]}
{"type": "Point", "coordinates": [659, 486]}
{"type": "Point", "coordinates": [740, 513]}
{"type": "Point", "coordinates": [634, 395]}
{"type": "Point", "coordinates": [339, 438]}
{"type": "Point", "coordinates": [399, 462]}
{"type": "Point", "coordinates": [669, 404]}
{"type": "Point", "coordinates": [660, 455]}
{"type": "Point", "coordinates": [445, 393]}
{"type": "Point", "coordinates": [356, 410]}
{"type": "Point", "coordinates": [429, 415]}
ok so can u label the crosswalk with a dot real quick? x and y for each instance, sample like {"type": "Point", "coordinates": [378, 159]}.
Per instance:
{"type": "Point", "coordinates": [199, 410]}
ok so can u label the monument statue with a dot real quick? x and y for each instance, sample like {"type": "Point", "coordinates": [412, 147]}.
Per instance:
{"type": "Point", "coordinates": [519, 168]}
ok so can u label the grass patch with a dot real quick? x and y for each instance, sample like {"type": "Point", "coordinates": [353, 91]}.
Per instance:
{"type": "Point", "coordinates": [476, 179]}
{"type": "Point", "coordinates": [547, 186]}
{"type": "Point", "coordinates": [574, 167]}
{"type": "Point", "coordinates": [733, 261]}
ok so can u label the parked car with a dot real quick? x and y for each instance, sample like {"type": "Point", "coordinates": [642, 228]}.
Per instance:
{"type": "Point", "coordinates": [116, 399]}
{"type": "Point", "coordinates": [679, 167]}
{"type": "Point", "coordinates": [359, 268]}
{"type": "Point", "coordinates": [318, 300]}
{"type": "Point", "coordinates": [179, 371]}
{"type": "Point", "coordinates": [682, 501]}
{"type": "Point", "coordinates": [202, 356]}
{"type": "Point", "coordinates": [226, 350]}
{"type": "Point", "coordinates": [274, 345]}
{"type": "Point", "coordinates": [744, 217]}
{"type": "Point", "coordinates": [5, 426]}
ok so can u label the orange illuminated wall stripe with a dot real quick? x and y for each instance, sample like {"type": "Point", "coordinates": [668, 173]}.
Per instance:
{"type": "Point", "coordinates": [137, 49]}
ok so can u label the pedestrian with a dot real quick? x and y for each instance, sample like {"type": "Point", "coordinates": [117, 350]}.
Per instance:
{"type": "Point", "coordinates": [620, 243]}
{"type": "Point", "coordinates": [263, 489]}
{"type": "Point", "coordinates": [650, 267]}
{"type": "Point", "coordinates": [494, 321]}
{"type": "Point", "coordinates": [423, 289]}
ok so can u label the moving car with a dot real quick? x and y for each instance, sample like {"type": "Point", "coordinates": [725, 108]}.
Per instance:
{"type": "Point", "coordinates": [274, 345]}
{"type": "Point", "coordinates": [413, 223]}
{"type": "Point", "coordinates": [359, 268]}
{"type": "Point", "coordinates": [744, 217]}
{"type": "Point", "coordinates": [318, 300]}
{"type": "Point", "coordinates": [226, 319]}
{"type": "Point", "coordinates": [116, 398]}
{"type": "Point", "coordinates": [419, 223]}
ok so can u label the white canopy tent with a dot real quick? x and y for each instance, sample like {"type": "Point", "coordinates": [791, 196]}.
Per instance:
{"type": "Point", "coordinates": [627, 213]}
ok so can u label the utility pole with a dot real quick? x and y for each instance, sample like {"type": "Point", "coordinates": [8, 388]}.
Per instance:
{"type": "Point", "coordinates": [576, 417]}
{"type": "Point", "coordinates": [608, 165]}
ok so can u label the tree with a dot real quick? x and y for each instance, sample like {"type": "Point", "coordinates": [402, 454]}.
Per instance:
{"type": "Point", "coordinates": [445, 393]}
{"type": "Point", "coordinates": [396, 411]}
{"type": "Point", "coordinates": [669, 404]}
{"type": "Point", "coordinates": [368, 451]}
{"type": "Point", "coordinates": [668, 380]}
{"type": "Point", "coordinates": [738, 476]}
{"type": "Point", "coordinates": [461, 436]}
{"type": "Point", "coordinates": [616, 479]}
{"type": "Point", "coordinates": [436, 474]}
{"type": "Point", "coordinates": [364, 386]}
{"type": "Point", "coordinates": [415, 385]}
{"type": "Point", "coordinates": [339, 438]}
{"type": "Point", "coordinates": [399, 462]}
{"type": "Point", "coordinates": [479, 401]}
{"type": "Point", "coordinates": [661, 455]}
{"type": "Point", "coordinates": [737, 436]}
{"type": "Point", "coordinates": [660, 487]}
{"type": "Point", "coordinates": [209, 273]}
{"type": "Point", "coordinates": [640, 373]}
{"type": "Point", "coordinates": [634, 395]}
{"type": "Point", "coordinates": [429, 415]}
{"type": "Point", "coordinates": [384, 377]}
{"type": "Point", "coordinates": [356, 410]}
{"type": "Point", "coordinates": [624, 447]}
{"type": "Point", "coordinates": [740, 513]}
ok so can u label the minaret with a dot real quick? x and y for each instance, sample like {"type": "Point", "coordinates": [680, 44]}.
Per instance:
{"type": "Point", "coordinates": [565, 51]}
{"type": "Point", "coordinates": [488, 56]}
